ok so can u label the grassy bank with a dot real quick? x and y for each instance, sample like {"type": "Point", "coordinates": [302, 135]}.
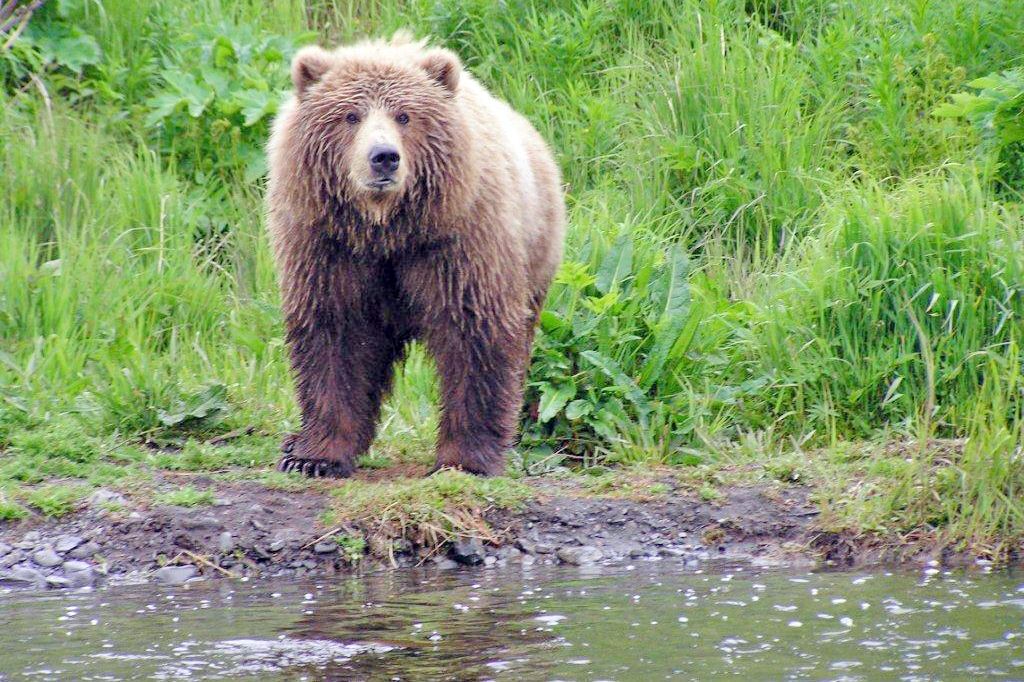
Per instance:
{"type": "Point", "coordinates": [795, 243]}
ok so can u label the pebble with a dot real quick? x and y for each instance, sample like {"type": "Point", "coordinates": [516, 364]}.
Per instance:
{"type": "Point", "coordinates": [32, 537]}
{"type": "Point", "coordinates": [84, 551]}
{"type": "Point", "coordinates": [225, 543]}
{"type": "Point", "coordinates": [5, 549]}
{"type": "Point", "coordinates": [71, 566]}
{"type": "Point", "coordinates": [175, 575]}
{"type": "Point", "coordinates": [66, 543]}
{"type": "Point", "coordinates": [276, 545]}
{"type": "Point", "coordinates": [587, 554]}
{"type": "Point", "coordinates": [57, 581]}
{"type": "Point", "coordinates": [325, 547]}
{"type": "Point", "coordinates": [446, 564]}
{"type": "Point", "coordinates": [46, 558]}
{"type": "Point", "coordinates": [469, 551]}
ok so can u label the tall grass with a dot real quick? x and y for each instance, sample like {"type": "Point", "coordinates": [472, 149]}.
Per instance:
{"type": "Point", "coordinates": [772, 237]}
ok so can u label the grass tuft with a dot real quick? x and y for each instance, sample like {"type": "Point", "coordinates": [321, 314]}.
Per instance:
{"type": "Point", "coordinates": [428, 511]}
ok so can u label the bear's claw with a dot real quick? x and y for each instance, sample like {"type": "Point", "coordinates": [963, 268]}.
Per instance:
{"type": "Point", "coordinates": [313, 468]}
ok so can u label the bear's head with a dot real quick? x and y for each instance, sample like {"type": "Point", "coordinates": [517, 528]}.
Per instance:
{"type": "Point", "coordinates": [376, 124]}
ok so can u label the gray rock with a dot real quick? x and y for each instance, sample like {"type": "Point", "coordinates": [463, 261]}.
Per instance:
{"type": "Point", "coordinates": [276, 545]}
{"type": "Point", "coordinates": [225, 543]}
{"type": "Point", "coordinates": [469, 551]}
{"type": "Point", "coordinates": [5, 549]}
{"type": "Point", "coordinates": [26, 575]}
{"type": "Point", "coordinates": [490, 560]}
{"type": "Point", "coordinates": [446, 564]}
{"type": "Point", "coordinates": [57, 581]}
{"type": "Point", "coordinates": [85, 577]}
{"type": "Point", "coordinates": [201, 522]}
{"type": "Point", "coordinates": [325, 547]}
{"type": "Point", "coordinates": [72, 566]}
{"type": "Point", "coordinates": [13, 557]}
{"type": "Point", "coordinates": [84, 551]}
{"type": "Point", "coordinates": [32, 537]}
{"type": "Point", "coordinates": [587, 554]}
{"type": "Point", "coordinates": [104, 496]}
{"type": "Point", "coordinates": [46, 558]}
{"type": "Point", "coordinates": [66, 543]}
{"type": "Point", "coordinates": [542, 548]}
{"type": "Point", "coordinates": [527, 546]}
{"type": "Point", "coordinates": [175, 575]}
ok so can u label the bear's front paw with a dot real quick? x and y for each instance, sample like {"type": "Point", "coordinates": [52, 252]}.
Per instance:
{"type": "Point", "coordinates": [295, 458]}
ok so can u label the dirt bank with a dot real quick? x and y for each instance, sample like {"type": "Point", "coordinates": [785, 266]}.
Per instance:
{"type": "Point", "coordinates": [251, 530]}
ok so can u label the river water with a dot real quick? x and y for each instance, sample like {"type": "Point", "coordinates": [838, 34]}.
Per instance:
{"type": "Point", "coordinates": [649, 621]}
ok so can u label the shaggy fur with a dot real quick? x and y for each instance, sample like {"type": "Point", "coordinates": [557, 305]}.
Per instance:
{"type": "Point", "coordinates": [457, 250]}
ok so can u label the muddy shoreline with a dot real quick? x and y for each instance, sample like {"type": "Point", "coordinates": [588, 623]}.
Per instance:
{"type": "Point", "coordinates": [251, 531]}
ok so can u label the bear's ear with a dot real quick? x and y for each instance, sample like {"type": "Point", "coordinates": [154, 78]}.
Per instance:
{"type": "Point", "coordinates": [309, 66]}
{"type": "Point", "coordinates": [442, 66]}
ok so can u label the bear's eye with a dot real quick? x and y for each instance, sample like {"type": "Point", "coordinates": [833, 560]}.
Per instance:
{"type": "Point", "coordinates": [402, 118]}
{"type": "Point", "coordinates": [352, 118]}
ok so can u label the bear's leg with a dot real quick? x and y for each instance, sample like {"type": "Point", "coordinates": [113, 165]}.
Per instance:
{"type": "Point", "coordinates": [342, 357]}
{"type": "Point", "coordinates": [481, 368]}
{"type": "Point", "coordinates": [341, 379]}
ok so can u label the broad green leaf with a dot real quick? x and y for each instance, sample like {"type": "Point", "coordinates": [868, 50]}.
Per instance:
{"type": "Point", "coordinates": [553, 398]}
{"type": "Point", "coordinates": [195, 94]}
{"type": "Point", "coordinates": [578, 408]}
{"type": "Point", "coordinates": [672, 288]}
{"type": "Point", "coordinates": [616, 264]}
{"type": "Point", "coordinates": [219, 81]}
{"type": "Point", "coordinates": [70, 48]}
{"type": "Point", "coordinates": [621, 380]}
{"type": "Point", "coordinates": [256, 104]}
{"type": "Point", "coordinates": [162, 106]}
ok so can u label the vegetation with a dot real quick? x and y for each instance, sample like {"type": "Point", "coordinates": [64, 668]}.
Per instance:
{"type": "Point", "coordinates": [426, 511]}
{"type": "Point", "coordinates": [796, 241]}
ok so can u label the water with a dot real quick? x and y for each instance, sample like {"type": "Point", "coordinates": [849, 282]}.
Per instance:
{"type": "Point", "coordinates": [644, 622]}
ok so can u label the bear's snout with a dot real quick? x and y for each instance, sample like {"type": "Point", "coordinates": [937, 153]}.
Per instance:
{"type": "Point", "coordinates": [384, 159]}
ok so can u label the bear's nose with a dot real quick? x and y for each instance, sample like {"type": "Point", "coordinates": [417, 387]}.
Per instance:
{"type": "Point", "coordinates": [383, 159]}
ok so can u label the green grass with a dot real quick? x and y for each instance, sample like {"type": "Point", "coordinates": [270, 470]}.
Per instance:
{"type": "Point", "coordinates": [186, 496]}
{"type": "Point", "coordinates": [777, 252]}
{"type": "Point", "coordinates": [428, 511]}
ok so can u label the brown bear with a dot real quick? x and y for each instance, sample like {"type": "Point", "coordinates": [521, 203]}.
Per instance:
{"type": "Point", "coordinates": [406, 202]}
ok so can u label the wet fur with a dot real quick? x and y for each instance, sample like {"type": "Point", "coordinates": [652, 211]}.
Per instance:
{"type": "Point", "coordinates": [460, 258]}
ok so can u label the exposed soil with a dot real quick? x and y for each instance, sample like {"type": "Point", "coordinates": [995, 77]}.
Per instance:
{"type": "Point", "coordinates": [253, 531]}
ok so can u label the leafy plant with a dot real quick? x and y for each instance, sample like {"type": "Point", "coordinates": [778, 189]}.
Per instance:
{"type": "Point", "coordinates": [54, 43]}
{"type": "Point", "coordinates": [603, 358]}
{"type": "Point", "coordinates": [996, 111]}
{"type": "Point", "coordinates": [220, 89]}
{"type": "Point", "coordinates": [352, 547]}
